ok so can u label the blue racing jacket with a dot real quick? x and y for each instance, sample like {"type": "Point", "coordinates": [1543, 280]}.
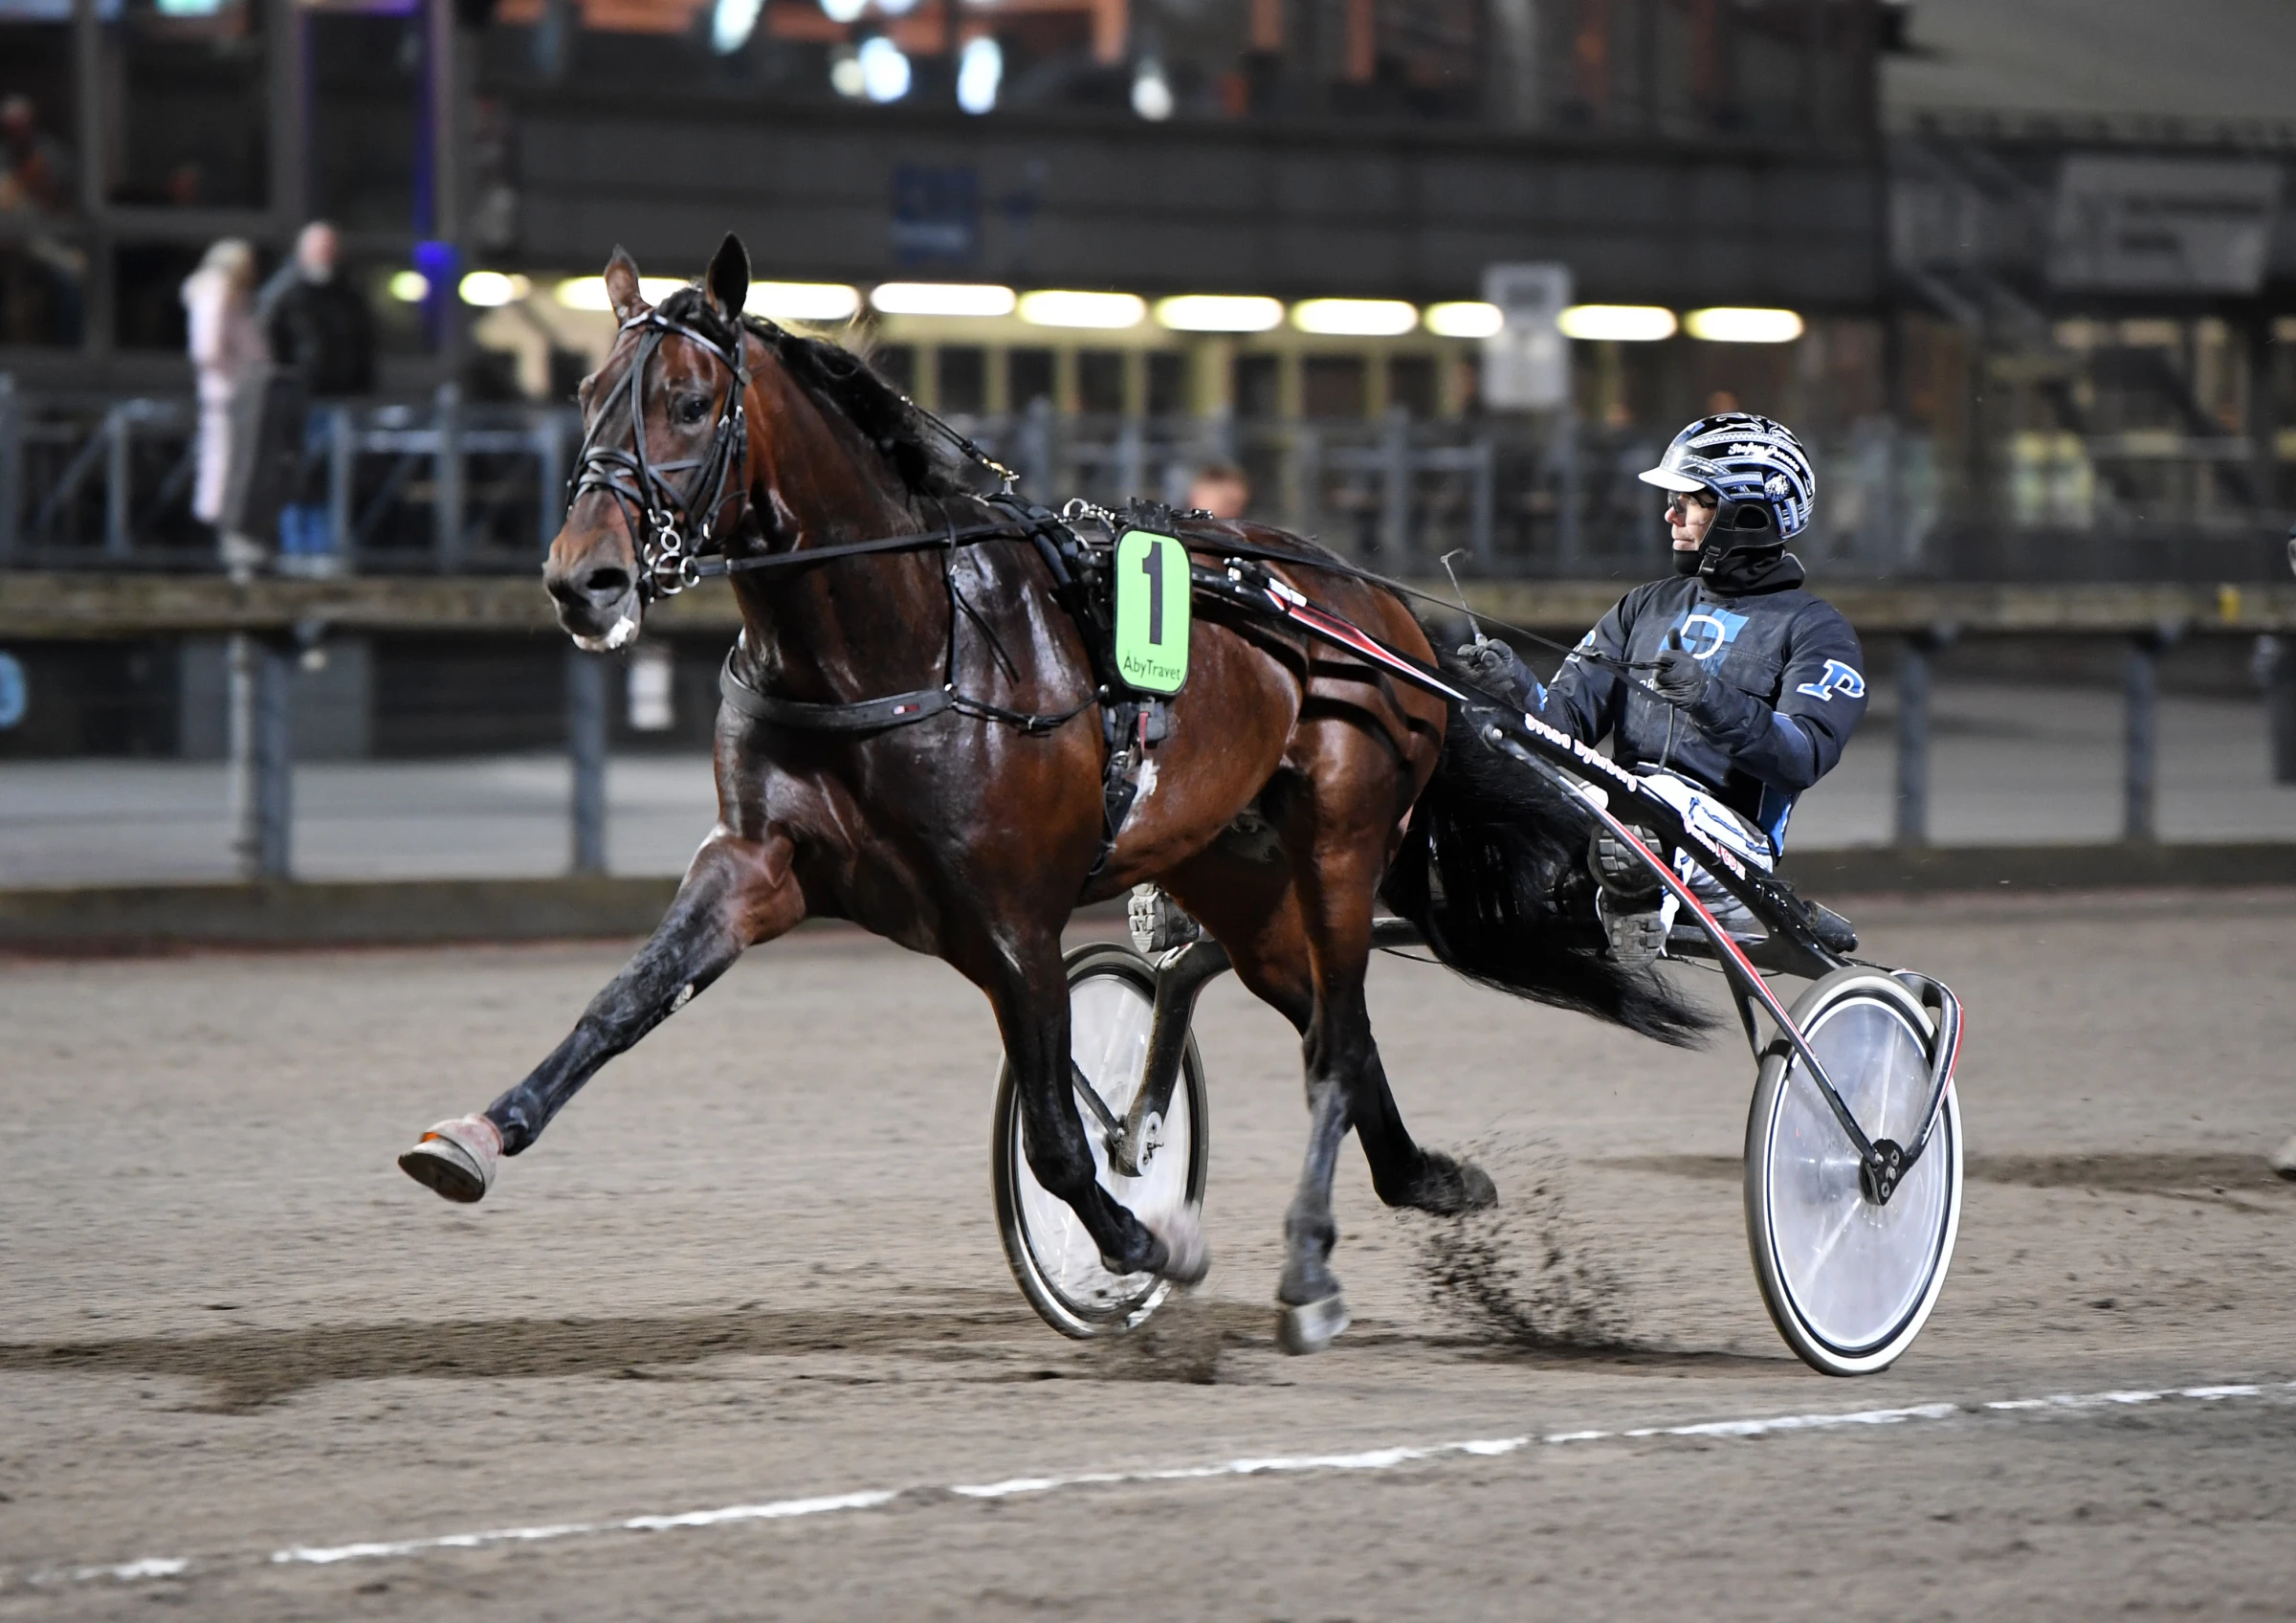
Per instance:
{"type": "Point", "coordinates": [1787, 687]}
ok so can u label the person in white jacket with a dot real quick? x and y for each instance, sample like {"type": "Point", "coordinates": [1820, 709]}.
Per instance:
{"type": "Point", "coordinates": [226, 345]}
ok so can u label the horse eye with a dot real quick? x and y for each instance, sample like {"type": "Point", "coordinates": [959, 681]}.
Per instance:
{"type": "Point", "coordinates": [691, 408]}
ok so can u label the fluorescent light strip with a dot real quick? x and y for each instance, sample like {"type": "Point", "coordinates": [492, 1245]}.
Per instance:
{"type": "Point", "coordinates": [1468, 318]}
{"type": "Point", "coordinates": [801, 301]}
{"type": "Point", "coordinates": [489, 289]}
{"type": "Point", "coordinates": [942, 299]}
{"type": "Point", "coordinates": [1730, 324]}
{"type": "Point", "coordinates": [588, 293]}
{"type": "Point", "coordinates": [1355, 318]}
{"type": "Point", "coordinates": [1617, 323]}
{"type": "Point", "coordinates": [1219, 312]}
{"type": "Point", "coordinates": [1058, 308]}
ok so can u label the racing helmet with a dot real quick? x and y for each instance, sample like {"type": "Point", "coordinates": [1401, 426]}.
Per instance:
{"type": "Point", "coordinates": [1756, 471]}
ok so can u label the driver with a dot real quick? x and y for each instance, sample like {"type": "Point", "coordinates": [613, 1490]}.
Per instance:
{"type": "Point", "coordinates": [1765, 681]}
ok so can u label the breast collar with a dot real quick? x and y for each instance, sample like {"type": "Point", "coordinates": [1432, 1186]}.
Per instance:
{"type": "Point", "coordinates": [671, 529]}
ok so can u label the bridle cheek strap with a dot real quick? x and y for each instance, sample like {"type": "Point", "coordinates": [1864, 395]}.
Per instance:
{"type": "Point", "coordinates": [671, 529]}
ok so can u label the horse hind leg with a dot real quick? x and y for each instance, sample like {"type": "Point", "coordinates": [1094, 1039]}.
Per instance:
{"type": "Point", "coordinates": [736, 893]}
{"type": "Point", "coordinates": [1246, 897]}
{"type": "Point", "coordinates": [1338, 870]}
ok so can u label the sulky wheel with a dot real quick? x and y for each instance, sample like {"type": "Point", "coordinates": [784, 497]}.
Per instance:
{"type": "Point", "coordinates": [1848, 1281]}
{"type": "Point", "coordinates": [1112, 992]}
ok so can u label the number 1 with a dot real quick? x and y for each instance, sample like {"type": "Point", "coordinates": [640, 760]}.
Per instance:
{"type": "Point", "coordinates": [1152, 565]}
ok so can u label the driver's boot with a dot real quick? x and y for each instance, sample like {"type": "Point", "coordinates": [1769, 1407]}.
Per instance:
{"type": "Point", "coordinates": [1629, 898]}
{"type": "Point", "coordinates": [1157, 922]}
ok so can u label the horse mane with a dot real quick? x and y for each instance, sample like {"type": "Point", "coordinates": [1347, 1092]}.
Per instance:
{"type": "Point", "coordinates": [846, 385]}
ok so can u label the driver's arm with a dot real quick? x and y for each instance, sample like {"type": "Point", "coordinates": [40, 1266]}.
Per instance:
{"type": "Point", "coordinates": [1821, 695]}
{"type": "Point", "coordinates": [1589, 693]}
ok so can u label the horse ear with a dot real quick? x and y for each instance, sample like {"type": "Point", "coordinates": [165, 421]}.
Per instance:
{"type": "Point", "coordinates": [728, 281]}
{"type": "Point", "coordinates": [621, 285]}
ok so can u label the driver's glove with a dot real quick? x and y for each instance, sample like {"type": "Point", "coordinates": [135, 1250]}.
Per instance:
{"type": "Point", "coordinates": [1494, 667]}
{"type": "Point", "coordinates": [1679, 677]}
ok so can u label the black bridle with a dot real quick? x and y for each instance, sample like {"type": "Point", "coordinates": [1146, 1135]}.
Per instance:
{"type": "Point", "coordinates": [670, 529]}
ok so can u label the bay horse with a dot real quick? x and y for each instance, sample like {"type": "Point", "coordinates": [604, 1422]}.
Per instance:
{"type": "Point", "coordinates": [973, 834]}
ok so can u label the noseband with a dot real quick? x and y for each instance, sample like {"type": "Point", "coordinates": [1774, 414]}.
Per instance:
{"type": "Point", "coordinates": [670, 529]}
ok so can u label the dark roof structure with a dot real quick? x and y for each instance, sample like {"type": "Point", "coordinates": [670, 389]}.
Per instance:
{"type": "Point", "coordinates": [2206, 61]}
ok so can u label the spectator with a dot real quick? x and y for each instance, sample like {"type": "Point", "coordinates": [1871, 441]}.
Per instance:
{"type": "Point", "coordinates": [1220, 489]}
{"type": "Point", "coordinates": [225, 347]}
{"type": "Point", "coordinates": [36, 168]}
{"type": "Point", "coordinates": [40, 282]}
{"type": "Point", "coordinates": [320, 330]}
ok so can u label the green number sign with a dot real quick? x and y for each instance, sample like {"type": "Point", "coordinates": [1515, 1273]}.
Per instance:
{"type": "Point", "coordinates": [1151, 611]}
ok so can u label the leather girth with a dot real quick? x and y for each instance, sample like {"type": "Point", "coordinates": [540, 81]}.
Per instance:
{"type": "Point", "coordinates": [863, 716]}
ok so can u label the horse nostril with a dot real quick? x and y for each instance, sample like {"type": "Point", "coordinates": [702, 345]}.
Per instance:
{"type": "Point", "coordinates": [606, 583]}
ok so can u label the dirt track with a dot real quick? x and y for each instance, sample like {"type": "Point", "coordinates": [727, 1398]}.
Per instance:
{"type": "Point", "coordinates": [756, 1262]}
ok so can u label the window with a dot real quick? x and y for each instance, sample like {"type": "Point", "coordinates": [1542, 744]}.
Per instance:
{"type": "Point", "coordinates": [1332, 385]}
{"type": "Point", "coordinates": [963, 378]}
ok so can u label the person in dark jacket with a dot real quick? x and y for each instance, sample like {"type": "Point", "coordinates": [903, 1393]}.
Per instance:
{"type": "Point", "coordinates": [318, 328]}
{"type": "Point", "coordinates": [318, 324]}
{"type": "Point", "coordinates": [1755, 683]}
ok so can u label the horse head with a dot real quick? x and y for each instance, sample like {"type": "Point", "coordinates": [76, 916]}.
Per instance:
{"type": "Point", "coordinates": [661, 471]}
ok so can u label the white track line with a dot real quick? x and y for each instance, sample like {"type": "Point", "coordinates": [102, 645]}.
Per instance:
{"type": "Point", "coordinates": [1370, 1459]}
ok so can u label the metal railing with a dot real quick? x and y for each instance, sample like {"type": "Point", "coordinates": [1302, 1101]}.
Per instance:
{"type": "Point", "coordinates": [446, 486]}
{"type": "Point", "coordinates": [88, 481]}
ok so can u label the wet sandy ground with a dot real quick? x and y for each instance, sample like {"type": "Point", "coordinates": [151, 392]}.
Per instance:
{"type": "Point", "coordinates": [756, 1263]}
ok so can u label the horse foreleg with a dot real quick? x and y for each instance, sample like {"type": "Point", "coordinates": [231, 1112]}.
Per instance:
{"type": "Point", "coordinates": [1030, 994]}
{"type": "Point", "coordinates": [736, 894]}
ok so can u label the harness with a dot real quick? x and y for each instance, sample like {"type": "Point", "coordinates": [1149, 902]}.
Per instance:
{"type": "Point", "coordinates": [675, 542]}
{"type": "Point", "coordinates": [673, 527]}
{"type": "Point", "coordinates": [669, 530]}
{"type": "Point", "coordinates": [894, 709]}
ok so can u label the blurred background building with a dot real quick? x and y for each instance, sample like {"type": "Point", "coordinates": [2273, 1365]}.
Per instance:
{"type": "Point", "coordinates": [2020, 271]}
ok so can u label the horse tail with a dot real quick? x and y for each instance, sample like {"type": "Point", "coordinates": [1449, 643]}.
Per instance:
{"type": "Point", "coordinates": [1492, 859]}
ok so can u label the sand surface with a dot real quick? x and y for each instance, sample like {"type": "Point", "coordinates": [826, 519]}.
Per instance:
{"type": "Point", "coordinates": [756, 1262]}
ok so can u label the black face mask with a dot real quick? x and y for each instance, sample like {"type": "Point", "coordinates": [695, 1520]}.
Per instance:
{"type": "Point", "coordinates": [1748, 571]}
{"type": "Point", "coordinates": [1686, 563]}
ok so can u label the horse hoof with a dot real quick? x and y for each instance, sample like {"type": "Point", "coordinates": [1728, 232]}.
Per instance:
{"type": "Point", "coordinates": [456, 1158]}
{"type": "Point", "coordinates": [1449, 1188]}
{"type": "Point", "coordinates": [1187, 1254]}
{"type": "Point", "coordinates": [1313, 1327]}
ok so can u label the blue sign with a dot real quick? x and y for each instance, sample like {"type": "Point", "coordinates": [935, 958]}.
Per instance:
{"type": "Point", "coordinates": [16, 694]}
{"type": "Point", "coordinates": [936, 214]}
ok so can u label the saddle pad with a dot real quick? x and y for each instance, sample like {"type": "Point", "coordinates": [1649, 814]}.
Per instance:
{"type": "Point", "coordinates": [1151, 611]}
